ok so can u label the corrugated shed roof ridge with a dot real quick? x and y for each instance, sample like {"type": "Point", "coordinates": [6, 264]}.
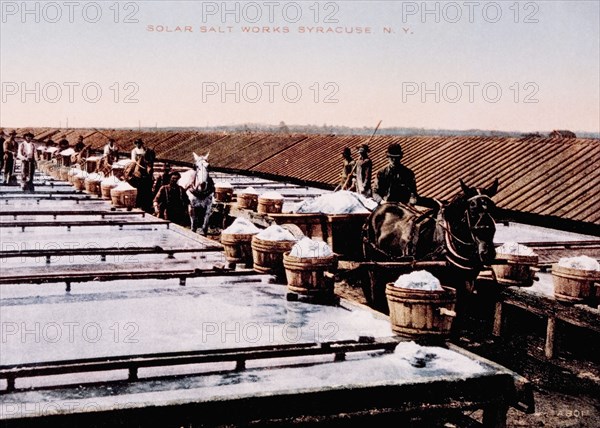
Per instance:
{"type": "Point", "coordinates": [546, 176]}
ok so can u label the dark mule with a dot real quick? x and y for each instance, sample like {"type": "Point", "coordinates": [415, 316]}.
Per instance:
{"type": "Point", "coordinates": [141, 176]}
{"type": "Point", "coordinates": [459, 233]}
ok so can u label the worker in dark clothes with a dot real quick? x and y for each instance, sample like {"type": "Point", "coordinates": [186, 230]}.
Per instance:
{"type": "Point", "coordinates": [171, 202]}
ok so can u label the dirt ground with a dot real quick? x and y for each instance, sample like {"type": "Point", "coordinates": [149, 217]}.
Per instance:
{"type": "Point", "coordinates": [566, 389]}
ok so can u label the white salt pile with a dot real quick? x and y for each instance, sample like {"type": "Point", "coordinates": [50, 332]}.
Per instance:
{"type": "Point", "coordinates": [437, 359]}
{"type": "Point", "coordinates": [81, 174]}
{"type": "Point", "coordinates": [342, 202]}
{"type": "Point", "coordinates": [51, 149]}
{"type": "Point", "coordinates": [516, 249]}
{"type": "Point", "coordinates": [93, 158]}
{"type": "Point", "coordinates": [419, 280]}
{"type": "Point", "coordinates": [241, 226]}
{"type": "Point", "coordinates": [122, 163]}
{"type": "Point", "coordinates": [224, 185]}
{"type": "Point", "coordinates": [249, 191]}
{"type": "Point", "coordinates": [272, 195]}
{"type": "Point", "coordinates": [95, 177]}
{"type": "Point", "coordinates": [111, 180]}
{"type": "Point", "coordinates": [580, 262]}
{"type": "Point", "coordinates": [67, 152]}
{"type": "Point", "coordinates": [123, 185]}
{"type": "Point", "coordinates": [276, 233]}
{"type": "Point", "coordinates": [307, 248]}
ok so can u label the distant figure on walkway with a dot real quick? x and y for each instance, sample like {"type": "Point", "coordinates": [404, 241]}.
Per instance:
{"type": "Point", "coordinates": [171, 202]}
{"type": "Point", "coordinates": [27, 155]}
{"type": "Point", "coordinates": [364, 170]}
{"type": "Point", "coordinates": [10, 154]}
{"type": "Point", "coordinates": [111, 151]}
{"type": "Point", "coordinates": [348, 177]}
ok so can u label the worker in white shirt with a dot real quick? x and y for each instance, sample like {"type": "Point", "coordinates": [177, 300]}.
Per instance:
{"type": "Point", "coordinates": [138, 151]}
{"type": "Point", "coordinates": [27, 155]}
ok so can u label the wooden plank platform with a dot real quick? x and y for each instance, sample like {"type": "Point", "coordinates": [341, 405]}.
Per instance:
{"type": "Point", "coordinates": [89, 223]}
{"type": "Point", "coordinates": [548, 307]}
{"type": "Point", "coordinates": [48, 254]}
{"type": "Point", "coordinates": [56, 213]}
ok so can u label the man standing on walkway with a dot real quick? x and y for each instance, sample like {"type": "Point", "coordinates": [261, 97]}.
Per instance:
{"type": "Point", "coordinates": [27, 156]}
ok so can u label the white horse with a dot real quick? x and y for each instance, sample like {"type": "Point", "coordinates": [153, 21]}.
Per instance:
{"type": "Point", "coordinates": [200, 189]}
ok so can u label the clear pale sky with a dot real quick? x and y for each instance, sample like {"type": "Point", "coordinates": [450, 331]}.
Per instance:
{"type": "Point", "coordinates": [177, 77]}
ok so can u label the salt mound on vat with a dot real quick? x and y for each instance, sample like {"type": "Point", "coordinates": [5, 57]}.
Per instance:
{"type": "Point", "coordinates": [516, 249]}
{"type": "Point", "coordinates": [224, 185]}
{"type": "Point", "coordinates": [67, 152]}
{"type": "Point", "coordinates": [123, 185]}
{"type": "Point", "coordinates": [249, 191]}
{"type": "Point", "coordinates": [342, 202]}
{"type": "Point", "coordinates": [81, 174]}
{"type": "Point", "coordinates": [111, 179]}
{"type": "Point", "coordinates": [307, 248]}
{"type": "Point", "coordinates": [272, 195]}
{"type": "Point", "coordinates": [276, 233]}
{"type": "Point", "coordinates": [241, 226]}
{"type": "Point", "coordinates": [437, 359]}
{"type": "Point", "coordinates": [419, 280]}
{"type": "Point", "coordinates": [122, 163]}
{"type": "Point", "coordinates": [580, 262]}
{"type": "Point", "coordinates": [94, 176]}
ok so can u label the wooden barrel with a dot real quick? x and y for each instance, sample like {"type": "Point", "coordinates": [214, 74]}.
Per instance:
{"type": "Point", "coordinates": [574, 285]}
{"type": "Point", "coordinates": [268, 255]}
{"type": "Point", "coordinates": [519, 270]}
{"type": "Point", "coordinates": [238, 248]}
{"type": "Point", "coordinates": [123, 198]}
{"type": "Point", "coordinates": [64, 173]}
{"type": "Point", "coordinates": [92, 186]}
{"type": "Point", "coordinates": [306, 275]}
{"type": "Point", "coordinates": [106, 186]}
{"type": "Point", "coordinates": [247, 201]}
{"type": "Point", "coordinates": [51, 168]}
{"type": "Point", "coordinates": [91, 164]}
{"type": "Point", "coordinates": [269, 206]}
{"type": "Point", "coordinates": [79, 182]}
{"type": "Point", "coordinates": [421, 313]}
{"type": "Point", "coordinates": [72, 173]}
{"type": "Point", "coordinates": [223, 194]}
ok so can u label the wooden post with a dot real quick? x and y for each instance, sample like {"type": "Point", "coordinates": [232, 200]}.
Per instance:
{"type": "Point", "coordinates": [494, 416]}
{"type": "Point", "coordinates": [498, 319]}
{"type": "Point", "coordinates": [550, 329]}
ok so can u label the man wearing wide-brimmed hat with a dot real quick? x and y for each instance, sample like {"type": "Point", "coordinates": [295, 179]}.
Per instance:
{"type": "Point", "coordinates": [10, 152]}
{"type": "Point", "coordinates": [364, 168]}
{"type": "Point", "coordinates": [27, 155]}
{"type": "Point", "coordinates": [395, 182]}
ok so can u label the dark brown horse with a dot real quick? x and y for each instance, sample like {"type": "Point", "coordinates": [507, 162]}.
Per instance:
{"type": "Point", "coordinates": [459, 234]}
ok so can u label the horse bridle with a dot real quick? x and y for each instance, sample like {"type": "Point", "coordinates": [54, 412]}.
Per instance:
{"type": "Point", "coordinates": [453, 256]}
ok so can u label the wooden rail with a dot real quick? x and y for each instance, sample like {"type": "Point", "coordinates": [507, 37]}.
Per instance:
{"type": "Point", "coordinates": [133, 363]}
{"type": "Point", "coordinates": [74, 223]}
{"type": "Point", "coordinates": [103, 252]}
{"type": "Point", "coordinates": [102, 213]}
{"type": "Point", "coordinates": [72, 277]}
